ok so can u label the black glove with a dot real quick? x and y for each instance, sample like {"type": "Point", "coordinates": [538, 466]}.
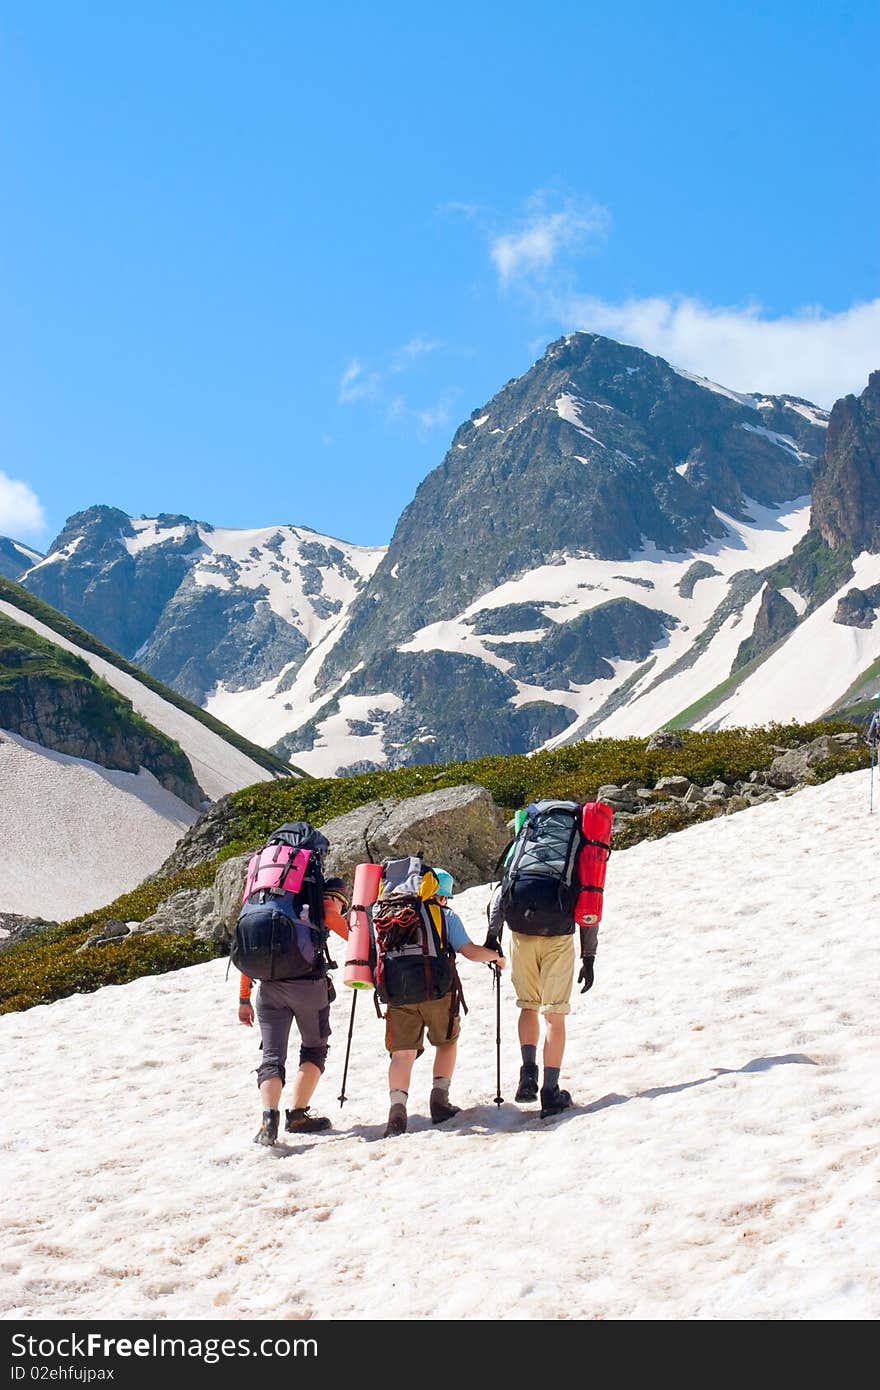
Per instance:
{"type": "Point", "coordinates": [586, 974]}
{"type": "Point", "coordinates": [492, 943]}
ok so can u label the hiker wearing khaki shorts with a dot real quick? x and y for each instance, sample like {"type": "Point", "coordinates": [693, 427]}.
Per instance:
{"type": "Point", "coordinates": [542, 971]}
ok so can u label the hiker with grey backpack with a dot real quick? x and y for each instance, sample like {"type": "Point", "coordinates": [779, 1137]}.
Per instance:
{"type": "Point", "coordinates": [552, 883]}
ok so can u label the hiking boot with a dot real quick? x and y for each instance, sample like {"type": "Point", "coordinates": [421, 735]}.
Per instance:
{"type": "Point", "coordinates": [441, 1107]}
{"type": "Point", "coordinates": [299, 1121]}
{"type": "Point", "coordinates": [527, 1089]}
{"type": "Point", "coordinates": [396, 1121]}
{"type": "Point", "coordinates": [268, 1132]}
{"type": "Point", "coordinates": [554, 1101]}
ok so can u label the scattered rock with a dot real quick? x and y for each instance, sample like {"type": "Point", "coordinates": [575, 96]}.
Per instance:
{"type": "Point", "coordinates": [111, 930]}
{"type": "Point", "coordinates": [797, 764]}
{"type": "Point", "coordinates": [693, 796]}
{"type": "Point", "coordinates": [15, 927]}
{"type": "Point", "coordinates": [664, 738]}
{"type": "Point", "coordinates": [676, 786]}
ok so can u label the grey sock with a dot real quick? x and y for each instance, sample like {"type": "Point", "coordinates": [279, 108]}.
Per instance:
{"type": "Point", "coordinates": [551, 1078]}
{"type": "Point", "coordinates": [399, 1097]}
{"type": "Point", "coordinates": [441, 1083]}
{"type": "Point", "coordinates": [529, 1055]}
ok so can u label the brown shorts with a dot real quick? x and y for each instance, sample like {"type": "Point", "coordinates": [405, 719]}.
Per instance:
{"type": "Point", "coordinates": [405, 1025]}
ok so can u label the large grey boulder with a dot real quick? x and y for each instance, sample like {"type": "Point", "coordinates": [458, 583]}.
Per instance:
{"type": "Point", "coordinates": [676, 785]}
{"type": "Point", "coordinates": [189, 912]}
{"type": "Point", "coordinates": [797, 765]}
{"type": "Point", "coordinates": [458, 828]}
{"type": "Point", "coordinates": [227, 891]}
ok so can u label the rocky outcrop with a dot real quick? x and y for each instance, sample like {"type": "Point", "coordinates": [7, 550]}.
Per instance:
{"type": "Point", "coordinates": [796, 766]}
{"type": "Point", "coordinates": [858, 607]}
{"type": "Point", "coordinates": [52, 698]}
{"type": "Point", "coordinates": [846, 495]}
{"type": "Point", "coordinates": [190, 911]}
{"type": "Point", "coordinates": [581, 650]}
{"type": "Point", "coordinates": [15, 928]}
{"type": "Point", "coordinates": [208, 635]}
{"type": "Point", "coordinates": [452, 707]}
{"type": "Point", "coordinates": [775, 619]}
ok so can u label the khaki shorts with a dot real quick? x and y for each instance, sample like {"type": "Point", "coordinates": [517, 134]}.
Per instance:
{"type": "Point", "coordinates": [542, 971]}
{"type": "Point", "coordinates": [405, 1025]}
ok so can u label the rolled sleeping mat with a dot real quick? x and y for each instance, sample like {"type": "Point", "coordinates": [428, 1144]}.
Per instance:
{"type": "Point", "coordinates": [596, 820]}
{"type": "Point", "coordinates": [365, 891]}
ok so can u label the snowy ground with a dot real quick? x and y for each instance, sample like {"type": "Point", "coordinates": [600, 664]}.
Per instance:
{"type": "Point", "coordinates": [721, 1162]}
{"type": "Point", "coordinates": [74, 835]}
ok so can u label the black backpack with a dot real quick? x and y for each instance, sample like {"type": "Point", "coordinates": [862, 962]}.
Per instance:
{"type": "Point", "coordinates": [280, 932]}
{"type": "Point", "coordinates": [539, 885]}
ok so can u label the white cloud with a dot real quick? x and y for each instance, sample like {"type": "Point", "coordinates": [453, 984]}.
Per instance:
{"type": "Point", "coordinates": [434, 416]}
{"type": "Point", "coordinates": [21, 512]}
{"type": "Point", "coordinates": [415, 348]}
{"type": "Point", "coordinates": [537, 244]}
{"type": "Point", "coordinates": [813, 353]}
{"type": "Point", "coordinates": [356, 384]}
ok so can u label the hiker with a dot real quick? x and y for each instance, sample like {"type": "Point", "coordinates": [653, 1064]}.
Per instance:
{"type": "Point", "coordinates": [537, 901]}
{"type": "Point", "coordinates": [416, 937]}
{"type": "Point", "coordinates": [305, 993]}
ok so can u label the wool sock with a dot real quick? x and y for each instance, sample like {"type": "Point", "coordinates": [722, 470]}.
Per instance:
{"type": "Point", "coordinates": [529, 1055]}
{"type": "Point", "coordinates": [551, 1078]}
{"type": "Point", "coordinates": [399, 1097]}
{"type": "Point", "coordinates": [441, 1083]}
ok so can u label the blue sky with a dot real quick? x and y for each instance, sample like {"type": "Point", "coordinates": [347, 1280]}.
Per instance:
{"type": "Point", "coordinates": [257, 261]}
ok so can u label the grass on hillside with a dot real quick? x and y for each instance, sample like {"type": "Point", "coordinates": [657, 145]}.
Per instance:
{"type": "Point", "coordinates": [65, 627]}
{"type": "Point", "coordinates": [48, 967]}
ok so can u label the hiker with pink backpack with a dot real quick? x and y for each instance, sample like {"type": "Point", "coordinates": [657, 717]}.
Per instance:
{"type": "Point", "coordinates": [280, 940]}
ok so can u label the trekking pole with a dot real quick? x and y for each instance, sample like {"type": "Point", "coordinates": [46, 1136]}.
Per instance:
{"type": "Point", "coordinates": [874, 759]}
{"type": "Point", "coordinates": [342, 1097]}
{"type": "Point", "coordinates": [496, 971]}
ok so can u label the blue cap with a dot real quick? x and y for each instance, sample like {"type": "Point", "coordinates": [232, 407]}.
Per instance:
{"type": "Point", "coordinates": [445, 882]}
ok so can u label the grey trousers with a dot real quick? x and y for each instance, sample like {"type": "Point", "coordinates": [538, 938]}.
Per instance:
{"type": "Point", "coordinates": [279, 1002]}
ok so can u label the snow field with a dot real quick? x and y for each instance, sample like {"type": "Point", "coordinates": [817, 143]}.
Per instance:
{"type": "Point", "coordinates": [74, 835]}
{"type": "Point", "coordinates": [721, 1161]}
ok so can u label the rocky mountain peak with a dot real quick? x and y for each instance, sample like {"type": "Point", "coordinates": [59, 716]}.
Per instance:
{"type": "Point", "coordinates": [846, 497]}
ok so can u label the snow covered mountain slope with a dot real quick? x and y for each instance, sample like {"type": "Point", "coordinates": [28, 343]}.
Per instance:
{"type": "Point", "coordinates": [107, 830]}
{"type": "Point", "coordinates": [203, 608]}
{"type": "Point", "coordinates": [16, 559]}
{"type": "Point", "coordinates": [720, 1162]}
{"type": "Point", "coordinates": [218, 764]}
